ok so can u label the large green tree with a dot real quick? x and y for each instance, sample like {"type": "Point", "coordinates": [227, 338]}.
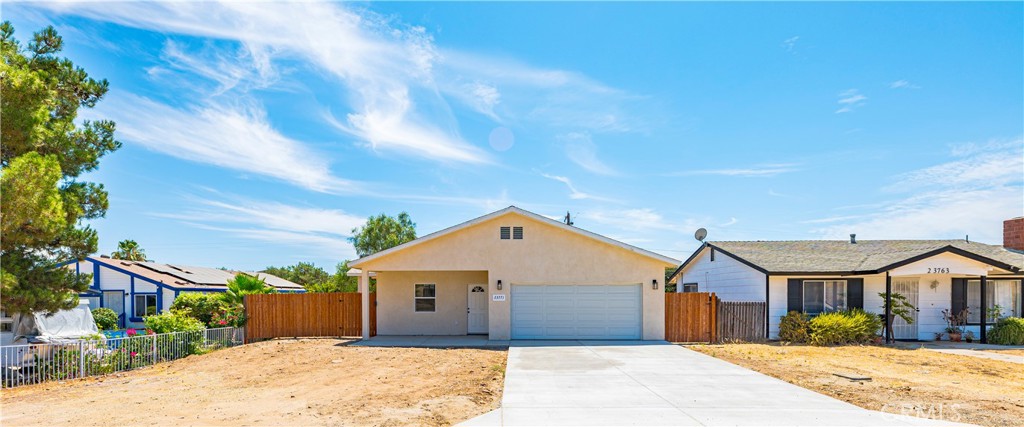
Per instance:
{"type": "Point", "coordinates": [382, 232]}
{"type": "Point", "coordinates": [129, 250]}
{"type": "Point", "coordinates": [303, 273]}
{"type": "Point", "coordinates": [44, 152]}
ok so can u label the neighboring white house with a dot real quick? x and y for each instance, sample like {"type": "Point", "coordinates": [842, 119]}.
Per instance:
{"type": "Point", "coordinates": [818, 276]}
{"type": "Point", "coordinates": [134, 289]}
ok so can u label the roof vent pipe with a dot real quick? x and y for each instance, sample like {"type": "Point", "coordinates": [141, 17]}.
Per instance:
{"type": "Point", "coordinates": [853, 239]}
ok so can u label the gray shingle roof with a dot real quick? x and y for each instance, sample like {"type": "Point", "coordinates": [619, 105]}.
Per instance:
{"type": "Point", "coordinates": [843, 256]}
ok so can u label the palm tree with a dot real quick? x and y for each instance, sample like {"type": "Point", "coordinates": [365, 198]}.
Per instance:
{"type": "Point", "coordinates": [244, 284]}
{"type": "Point", "coordinates": [129, 250]}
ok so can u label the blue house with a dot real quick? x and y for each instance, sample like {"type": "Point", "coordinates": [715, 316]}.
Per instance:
{"type": "Point", "coordinates": [135, 289]}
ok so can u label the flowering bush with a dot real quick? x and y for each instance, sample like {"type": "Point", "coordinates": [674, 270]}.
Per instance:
{"type": "Point", "coordinates": [172, 322]}
{"type": "Point", "coordinates": [233, 316]}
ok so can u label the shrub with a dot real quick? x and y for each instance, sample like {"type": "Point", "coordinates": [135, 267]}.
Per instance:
{"type": "Point", "coordinates": [794, 327]}
{"type": "Point", "coordinates": [844, 327]}
{"type": "Point", "coordinates": [1008, 331]}
{"type": "Point", "coordinates": [233, 316]}
{"type": "Point", "coordinates": [200, 305]}
{"type": "Point", "coordinates": [105, 318]}
{"type": "Point", "coordinates": [172, 322]}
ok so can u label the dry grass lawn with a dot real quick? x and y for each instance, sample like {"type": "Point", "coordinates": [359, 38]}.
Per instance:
{"type": "Point", "coordinates": [986, 392]}
{"type": "Point", "coordinates": [283, 382]}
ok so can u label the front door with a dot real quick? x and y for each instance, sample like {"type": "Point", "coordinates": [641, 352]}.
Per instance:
{"type": "Point", "coordinates": [477, 310]}
{"type": "Point", "coordinates": [908, 287]}
{"type": "Point", "coordinates": [114, 300]}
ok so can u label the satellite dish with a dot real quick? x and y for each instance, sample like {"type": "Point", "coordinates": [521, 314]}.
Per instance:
{"type": "Point", "coordinates": [700, 234]}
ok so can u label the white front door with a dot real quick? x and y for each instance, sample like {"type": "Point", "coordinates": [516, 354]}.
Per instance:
{"type": "Point", "coordinates": [477, 310]}
{"type": "Point", "coordinates": [907, 287]}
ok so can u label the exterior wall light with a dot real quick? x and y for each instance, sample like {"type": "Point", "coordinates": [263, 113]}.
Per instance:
{"type": "Point", "coordinates": [654, 284]}
{"type": "Point", "coordinates": [499, 285]}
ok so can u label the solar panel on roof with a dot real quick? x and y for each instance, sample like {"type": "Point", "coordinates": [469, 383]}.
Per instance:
{"type": "Point", "coordinates": [200, 275]}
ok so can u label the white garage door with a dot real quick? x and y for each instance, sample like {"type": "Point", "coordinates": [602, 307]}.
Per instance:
{"type": "Point", "coordinates": [576, 312]}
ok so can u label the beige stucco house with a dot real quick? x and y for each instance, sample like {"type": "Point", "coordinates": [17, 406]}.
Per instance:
{"type": "Point", "coordinates": [513, 274]}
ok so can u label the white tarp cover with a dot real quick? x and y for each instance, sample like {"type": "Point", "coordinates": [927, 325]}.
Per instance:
{"type": "Point", "coordinates": [62, 326]}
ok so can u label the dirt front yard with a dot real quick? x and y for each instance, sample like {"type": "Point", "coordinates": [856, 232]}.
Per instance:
{"type": "Point", "coordinates": [909, 381]}
{"type": "Point", "coordinates": [282, 382]}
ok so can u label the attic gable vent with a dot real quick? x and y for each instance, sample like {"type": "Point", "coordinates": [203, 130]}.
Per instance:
{"type": "Point", "coordinates": [506, 233]}
{"type": "Point", "coordinates": [517, 233]}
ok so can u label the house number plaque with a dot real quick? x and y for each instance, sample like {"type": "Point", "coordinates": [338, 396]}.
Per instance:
{"type": "Point", "coordinates": [498, 297]}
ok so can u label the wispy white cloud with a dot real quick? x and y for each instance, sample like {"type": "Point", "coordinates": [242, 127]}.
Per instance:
{"type": "Point", "coordinates": [903, 84]}
{"type": "Point", "coordinates": [236, 137]}
{"type": "Point", "coordinates": [969, 195]}
{"type": "Point", "coordinates": [760, 171]}
{"type": "Point", "coordinates": [580, 149]}
{"type": "Point", "coordinates": [850, 100]}
{"type": "Point", "coordinates": [273, 222]}
{"type": "Point", "coordinates": [225, 68]}
{"type": "Point", "coordinates": [730, 222]}
{"type": "Point", "coordinates": [626, 219]}
{"type": "Point", "coordinates": [573, 192]}
{"type": "Point", "coordinates": [790, 43]}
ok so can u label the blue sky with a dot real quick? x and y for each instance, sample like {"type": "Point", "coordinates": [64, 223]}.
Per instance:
{"type": "Point", "coordinates": [260, 134]}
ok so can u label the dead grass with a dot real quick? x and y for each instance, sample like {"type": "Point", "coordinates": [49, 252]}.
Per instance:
{"type": "Point", "coordinates": [1010, 351]}
{"type": "Point", "coordinates": [984, 391]}
{"type": "Point", "coordinates": [284, 382]}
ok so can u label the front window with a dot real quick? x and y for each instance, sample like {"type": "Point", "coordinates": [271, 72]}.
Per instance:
{"type": "Point", "coordinates": [145, 305]}
{"type": "Point", "coordinates": [823, 296]}
{"type": "Point", "coordinates": [425, 297]}
{"type": "Point", "coordinates": [1002, 299]}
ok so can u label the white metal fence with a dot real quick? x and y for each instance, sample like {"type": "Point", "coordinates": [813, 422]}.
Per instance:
{"type": "Point", "coordinates": [37, 363]}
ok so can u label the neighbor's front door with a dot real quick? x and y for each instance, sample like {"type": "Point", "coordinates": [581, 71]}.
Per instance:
{"type": "Point", "coordinates": [477, 322]}
{"type": "Point", "coordinates": [114, 300]}
{"type": "Point", "coordinates": [907, 287]}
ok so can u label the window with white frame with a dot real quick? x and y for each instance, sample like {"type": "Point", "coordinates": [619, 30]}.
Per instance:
{"type": "Point", "coordinates": [823, 296]}
{"type": "Point", "coordinates": [145, 305]}
{"type": "Point", "coordinates": [689, 287]}
{"type": "Point", "coordinates": [426, 297]}
{"type": "Point", "coordinates": [1002, 299]}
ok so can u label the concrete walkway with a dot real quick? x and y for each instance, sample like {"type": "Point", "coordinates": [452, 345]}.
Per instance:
{"type": "Point", "coordinates": [985, 351]}
{"type": "Point", "coordinates": [651, 383]}
{"type": "Point", "coordinates": [431, 341]}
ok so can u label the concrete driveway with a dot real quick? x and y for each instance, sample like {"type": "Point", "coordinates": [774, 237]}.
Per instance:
{"type": "Point", "coordinates": [645, 383]}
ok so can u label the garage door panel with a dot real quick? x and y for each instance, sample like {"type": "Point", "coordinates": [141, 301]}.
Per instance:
{"type": "Point", "coordinates": [576, 311]}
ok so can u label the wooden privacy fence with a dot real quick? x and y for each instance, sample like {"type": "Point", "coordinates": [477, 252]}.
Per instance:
{"type": "Point", "coordinates": [740, 321]}
{"type": "Point", "coordinates": [307, 315]}
{"type": "Point", "coordinates": [690, 317]}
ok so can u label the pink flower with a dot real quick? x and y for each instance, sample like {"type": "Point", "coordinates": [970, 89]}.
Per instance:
{"type": "Point", "coordinates": [131, 332]}
{"type": "Point", "coordinates": [134, 353]}
{"type": "Point", "coordinates": [149, 332]}
{"type": "Point", "coordinates": [222, 322]}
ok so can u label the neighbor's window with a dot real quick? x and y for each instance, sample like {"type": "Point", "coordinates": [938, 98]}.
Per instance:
{"type": "Point", "coordinates": [145, 305]}
{"type": "Point", "coordinates": [822, 296]}
{"type": "Point", "coordinates": [689, 287]}
{"type": "Point", "coordinates": [6, 322]}
{"type": "Point", "coordinates": [517, 233]}
{"type": "Point", "coordinates": [425, 297]}
{"type": "Point", "coordinates": [1002, 298]}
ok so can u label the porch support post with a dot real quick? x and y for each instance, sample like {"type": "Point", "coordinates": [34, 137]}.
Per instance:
{"type": "Point", "coordinates": [364, 295]}
{"type": "Point", "coordinates": [984, 310]}
{"type": "Point", "coordinates": [767, 304]}
{"type": "Point", "coordinates": [888, 308]}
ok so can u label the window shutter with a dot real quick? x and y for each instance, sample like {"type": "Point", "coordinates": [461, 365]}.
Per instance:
{"type": "Point", "coordinates": [796, 296]}
{"type": "Point", "coordinates": [959, 302]}
{"type": "Point", "coordinates": [855, 293]}
{"type": "Point", "coordinates": [506, 233]}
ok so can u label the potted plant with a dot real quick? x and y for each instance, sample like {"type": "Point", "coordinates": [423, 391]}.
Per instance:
{"type": "Point", "coordinates": [955, 323]}
{"type": "Point", "coordinates": [901, 307]}
{"type": "Point", "coordinates": [969, 336]}
{"type": "Point", "coordinates": [938, 336]}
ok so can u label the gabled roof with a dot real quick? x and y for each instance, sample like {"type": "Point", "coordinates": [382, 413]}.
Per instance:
{"type": "Point", "coordinates": [863, 257]}
{"type": "Point", "coordinates": [525, 213]}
